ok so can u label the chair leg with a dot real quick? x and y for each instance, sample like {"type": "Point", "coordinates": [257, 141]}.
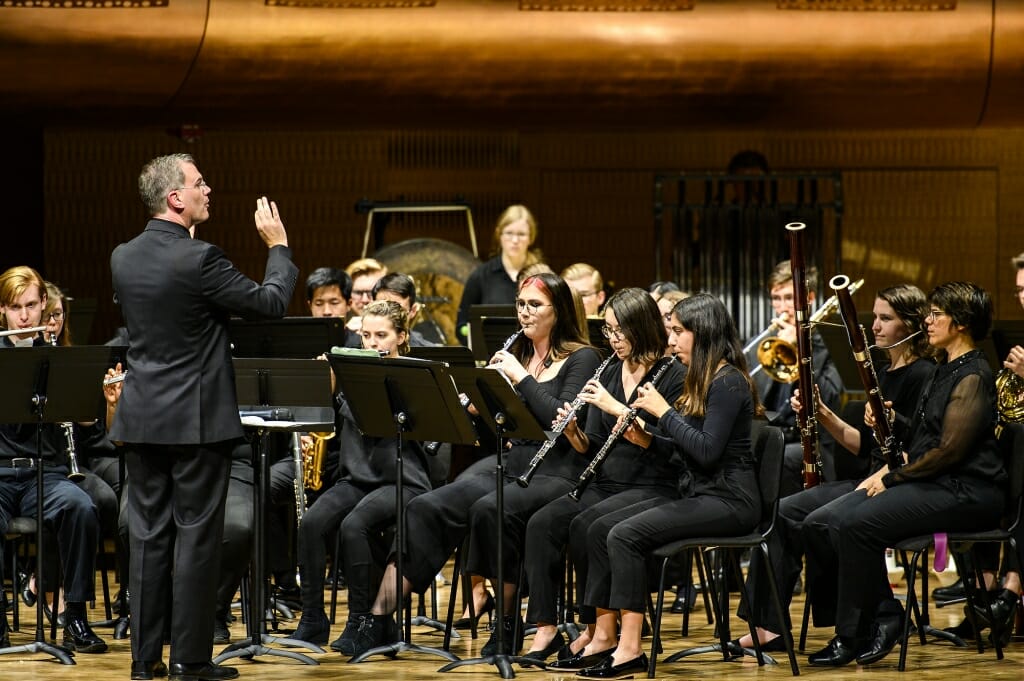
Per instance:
{"type": "Point", "coordinates": [659, 608]}
{"type": "Point", "coordinates": [452, 595]}
{"type": "Point", "coordinates": [787, 632]}
{"type": "Point", "coordinates": [805, 623]}
{"type": "Point", "coordinates": [911, 573]}
{"type": "Point", "coordinates": [705, 590]}
{"type": "Point", "coordinates": [334, 576]}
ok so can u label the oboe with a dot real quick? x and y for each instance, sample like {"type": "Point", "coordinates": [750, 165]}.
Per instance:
{"type": "Point", "coordinates": [524, 479]}
{"type": "Point", "coordinates": [591, 470]}
{"type": "Point", "coordinates": [866, 369]}
{"type": "Point", "coordinates": [807, 426]}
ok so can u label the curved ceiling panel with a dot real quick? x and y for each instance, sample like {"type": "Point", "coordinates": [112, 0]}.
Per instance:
{"type": "Point", "coordinates": [739, 63]}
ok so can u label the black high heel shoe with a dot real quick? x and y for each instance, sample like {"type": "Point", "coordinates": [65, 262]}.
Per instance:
{"type": "Point", "coordinates": [465, 622]}
{"type": "Point", "coordinates": [28, 596]}
{"type": "Point", "coordinates": [1004, 612]}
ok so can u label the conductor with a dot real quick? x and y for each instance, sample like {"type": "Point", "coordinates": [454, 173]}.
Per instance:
{"type": "Point", "coordinates": [178, 415]}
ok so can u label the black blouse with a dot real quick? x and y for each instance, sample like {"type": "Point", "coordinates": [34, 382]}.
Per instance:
{"type": "Point", "coordinates": [715, 450]}
{"type": "Point", "coordinates": [952, 432]}
{"type": "Point", "coordinates": [627, 465]}
{"type": "Point", "coordinates": [902, 387]}
{"type": "Point", "coordinates": [543, 399]}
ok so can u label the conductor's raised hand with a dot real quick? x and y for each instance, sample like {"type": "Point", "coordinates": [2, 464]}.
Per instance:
{"type": "Point", "coordinates": [268, 223]}
{"type": "Point", "coordinates": [650, 400]}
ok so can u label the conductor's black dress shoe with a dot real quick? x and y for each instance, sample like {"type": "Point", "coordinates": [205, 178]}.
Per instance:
{"type": "Point", "coordinates": [202, 671]}
{"type": "Point", "coordinates": [607, 669]}
{"type": "Point", "coordinates": [78, 636]}
{"type": "Point", "coordinates": [145, 671]}
{"type": "Point", "coordinates": [836, 654]}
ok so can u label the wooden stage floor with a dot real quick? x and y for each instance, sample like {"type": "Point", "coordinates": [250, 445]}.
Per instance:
{"type": "Point", "coordinates": [934, 661]}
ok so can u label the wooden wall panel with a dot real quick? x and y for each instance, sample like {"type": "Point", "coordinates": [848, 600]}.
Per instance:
{"type": "Point", "coordinates": [920, 205]}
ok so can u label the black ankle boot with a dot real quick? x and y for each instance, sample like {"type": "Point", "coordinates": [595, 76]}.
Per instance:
{"type": "Point", "coordinates": [513, 643]}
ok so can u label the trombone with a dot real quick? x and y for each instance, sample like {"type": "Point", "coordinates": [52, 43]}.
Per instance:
{"type": "Point", "coordinates": [778, 358]}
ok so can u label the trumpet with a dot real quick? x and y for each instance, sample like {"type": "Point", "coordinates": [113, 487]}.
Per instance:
{"type": "Point", "coordinates": [778, 358]}
{"type": "Point", "coordinates": [524, 479]}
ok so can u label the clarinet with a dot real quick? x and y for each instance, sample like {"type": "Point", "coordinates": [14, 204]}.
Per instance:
{"type": "Point", "coordinates": [591, 470]}
{"type": "Point", "coordinates": [524, 479]}
{"type": "Point", "coordinates": [69, 437]}
{"type": "Point", "coordinates": [299, 479]}
{"type": "Point", "coordinates": [807, 426]}
{"type": "Point", "coordinates": [866, 368]}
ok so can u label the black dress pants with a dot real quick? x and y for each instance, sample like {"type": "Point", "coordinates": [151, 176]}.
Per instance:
{"type": "Point", "coordinates": [176, 524]}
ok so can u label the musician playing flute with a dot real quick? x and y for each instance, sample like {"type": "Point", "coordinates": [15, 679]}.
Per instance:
{"type": "Point", "coordinates": [775, 395]}
{"type": "Point", "coordinates": [66, 507]}
{"type": "Point", "coordinates": [361, 504]}
{"type": "Point", "coordinates": [899, 312]}
{"type": "Point", "coordinates": [954, 480]}
{"type": "Point", "coordinates": [549, 363]}
{"type": "Point", "coordinates": [626, 476]}
{"type": "Point", "coordinates": [708, 432]}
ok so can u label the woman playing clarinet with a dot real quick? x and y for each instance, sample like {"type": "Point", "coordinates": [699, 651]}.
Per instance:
{"type": "Point", "coordinates": [549, 363]}
{"type": "Point", "coordinates": [708, 431]}
{"type": "Point", "coordinates": [899, 315]}
{"type": "Point", "coordinates": [627, 475]}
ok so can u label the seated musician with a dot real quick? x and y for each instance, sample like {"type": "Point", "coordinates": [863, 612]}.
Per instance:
{"type": "Point", "coordinates": [708, 430]}
{"type": "Point", "coordinates": [953, 480]}
{"type": "Point", "coordinates": [327, 295]}
{"type": "Point", "coordinates": [626, 475]}
{"type": "Point", "coordinates": [365, 273]}
{"type": "Point", "coordinates": [549, 363]}
{"type": "Point", "coordinates": [361, 504]}
{"type": "Point", "coordinates": [587, 281]}
{"type": "Point", "coordinates": [66, 507]}
{"type": "Point", "coordinates": [775, 395]}
{"type": "Point", "coordinates": [402, 289]}
{"type": "Point", "coordinates": [899, 312]}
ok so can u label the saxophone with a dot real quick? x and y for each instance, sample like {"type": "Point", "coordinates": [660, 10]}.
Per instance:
{"type": "Point", "coordinates": [313, 455]}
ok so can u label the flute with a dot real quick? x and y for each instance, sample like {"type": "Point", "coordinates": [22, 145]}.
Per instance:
{"type": "Point", "coordinates": [591, 470]}
{"type": "Point", "coordinates": [524, 479]}
{"type": "Point", "coordinates": [21, 332]}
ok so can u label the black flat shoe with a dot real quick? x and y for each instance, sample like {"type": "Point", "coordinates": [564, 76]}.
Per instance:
{"type": "Point", "coordinates": [885, 635]}
{"type": "Point", "coordinates": [203, 671]}
{"type": "Point", "coordinates": [465, 622]}
{"type": "Point", "coordinates": [556, 645]}
{"type": "Point", "coordinates": [836, 654]}
{"type": "Point", "coordinates": [776, 645]}
{"type": "Point", "coordinates": [78, 636]}
{"type": "Point", "coordinates": [581, 661]}
{"type": "Point", "coordinates": [607, 669]}
{"type": "Point", "coordinates": [949, 593]}
{"type": "Point", "coordinates": [144, 671]}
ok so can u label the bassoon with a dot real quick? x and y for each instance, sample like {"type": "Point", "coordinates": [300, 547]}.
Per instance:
{"type": "Point", "coordinates": [866, 369]}
{"type": "Point", "coordinates": [805, 422]}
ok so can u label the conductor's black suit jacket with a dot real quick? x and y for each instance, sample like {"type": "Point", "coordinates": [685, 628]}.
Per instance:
{"type": "Point", "coordinates": [176, 294]}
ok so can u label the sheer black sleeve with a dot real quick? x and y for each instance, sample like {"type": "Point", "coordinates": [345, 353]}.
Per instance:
{"type": "Point", "coordinates": [966, 414]}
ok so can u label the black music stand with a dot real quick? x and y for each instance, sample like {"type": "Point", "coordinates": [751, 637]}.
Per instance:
{"type": "Point", "coordinates": [48, 385]}
{"type": "Point", "coordinates": [483, 341]}
{"type": "Point", "coordinates": [507, 416]}
{"type": "Point", "coordinates": [290, 337]}
{"type": "Point", "coordinates": [403, 398]}
{"type": "Point", "coordinates": [275, 395]}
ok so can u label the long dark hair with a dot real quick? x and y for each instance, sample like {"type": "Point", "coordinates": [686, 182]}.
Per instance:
{"type": "Point", "coordinates": [641, 324]}
{"type": "Point", "coordinates": [715, 338]}
{"type": "Point", "coordinates": [566, 335]}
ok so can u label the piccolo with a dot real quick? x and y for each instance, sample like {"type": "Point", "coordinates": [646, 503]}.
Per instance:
{"type": "Point", "coordinates": [524, 479]}
{"type": "Point", "coordinates": [591, 470]}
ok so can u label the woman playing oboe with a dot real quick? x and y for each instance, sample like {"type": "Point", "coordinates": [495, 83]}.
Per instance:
{"type": "Point", "coordinates": [899, 312]}
{"type": "Point", "coordinates": [638, 338]}
{"type": "Point", "coordinates": [708, 431]}
{"type": "Point", "coordinates": [549, 364]}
